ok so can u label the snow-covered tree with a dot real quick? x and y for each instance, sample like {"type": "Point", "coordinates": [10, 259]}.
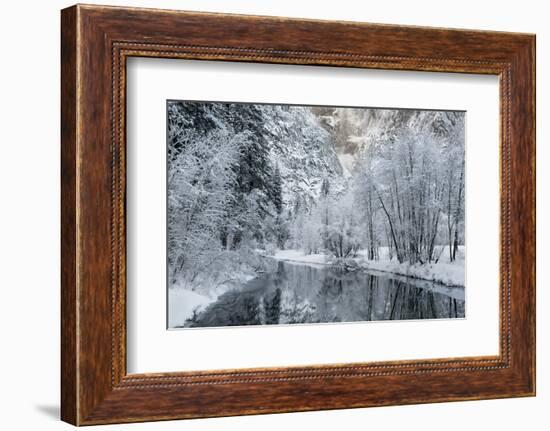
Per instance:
{"type": "Point", "coordinates": [201, 179]}
{"type": "Point", "coordinates": [344, 236]}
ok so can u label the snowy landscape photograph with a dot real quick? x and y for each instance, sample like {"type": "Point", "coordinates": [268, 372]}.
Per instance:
{"type": "Point", "coordinates": [290, 214]}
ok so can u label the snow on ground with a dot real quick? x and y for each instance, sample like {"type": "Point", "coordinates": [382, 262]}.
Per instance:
{"type": "Point", "coordinates": [450, 274]}
{"type": "Point", "coordinates": [445, 272]}
{"type": "Point", "coordinates": [298, 256]}
{"type": "Point", "coordinates": [184, 298]}
{"type": "Point", "coordinates": [181, 303]}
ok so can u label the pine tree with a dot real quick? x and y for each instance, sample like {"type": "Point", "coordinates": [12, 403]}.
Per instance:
{"type": "Point", "coordinates": [276, 190]}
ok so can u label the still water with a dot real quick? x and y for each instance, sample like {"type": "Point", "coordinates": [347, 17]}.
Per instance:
{"type": "Point", "coordinates": [290, 293]}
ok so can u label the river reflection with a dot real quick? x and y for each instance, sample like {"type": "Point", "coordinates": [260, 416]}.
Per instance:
{"type": "Point", "coordinates": [290, 293]}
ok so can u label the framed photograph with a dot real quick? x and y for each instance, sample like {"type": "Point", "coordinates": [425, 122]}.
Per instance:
{"type": "Point", "coordinates": [265, 214]}
{"type": "Point", "coordinates": [288, 214]}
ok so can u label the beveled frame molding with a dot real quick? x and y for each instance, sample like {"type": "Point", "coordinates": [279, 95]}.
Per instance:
{"type": "Point", "coordinates": [96, 41]}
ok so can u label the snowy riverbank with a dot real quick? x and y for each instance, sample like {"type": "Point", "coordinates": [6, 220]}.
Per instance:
{"type": "Point", "coordinates": [182, 303]}
{"type": "Point", "coordinates": [184, 299]}
{"type": "Point", "coordinates": [444, 272]}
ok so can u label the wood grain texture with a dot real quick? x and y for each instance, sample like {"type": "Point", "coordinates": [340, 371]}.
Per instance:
{"type": "Point", "coordinates": [68, 218]}
{"type": "Point", "coordinates": [96, 41]}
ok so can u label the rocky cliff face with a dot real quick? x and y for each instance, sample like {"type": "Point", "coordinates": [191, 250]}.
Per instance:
{"type": "Point", "coordinates": [353, 130]}
{"type": "Point", "coordinates": [304, 152]}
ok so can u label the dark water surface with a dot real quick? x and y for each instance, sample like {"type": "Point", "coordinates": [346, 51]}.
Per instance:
{"type": "Point", "coordinates": [290, 293]}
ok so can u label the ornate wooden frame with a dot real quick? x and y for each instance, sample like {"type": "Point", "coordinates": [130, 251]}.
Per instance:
{"type": "Point", "coordinates": [95, 43]}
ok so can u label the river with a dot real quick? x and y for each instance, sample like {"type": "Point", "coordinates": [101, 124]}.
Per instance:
{"type": "Point", "coordinates": [291, 293]}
